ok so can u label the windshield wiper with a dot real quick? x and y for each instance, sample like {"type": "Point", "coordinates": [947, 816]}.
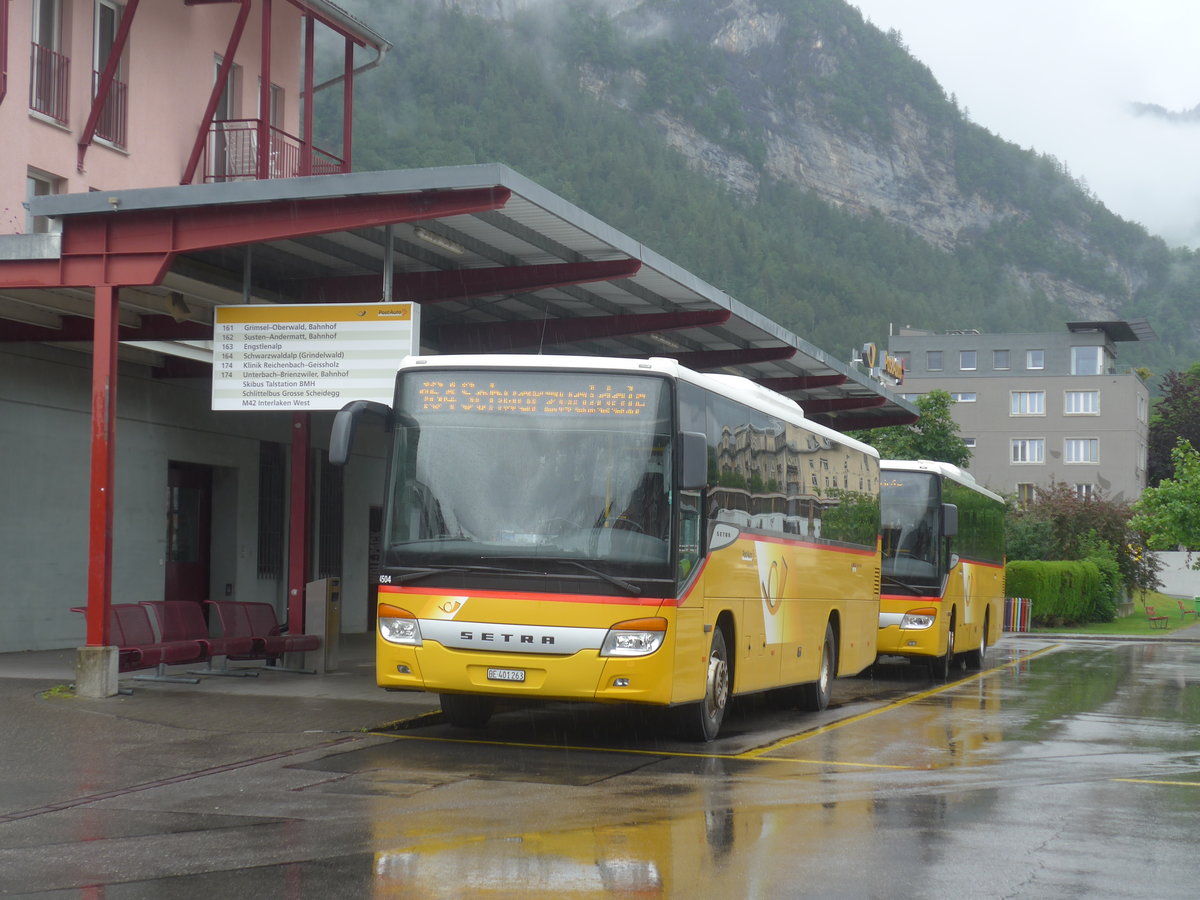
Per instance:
{"type": "Point", "coordinates": [893, 582]}
{"type": "Point", "coordinates": [624, 585]}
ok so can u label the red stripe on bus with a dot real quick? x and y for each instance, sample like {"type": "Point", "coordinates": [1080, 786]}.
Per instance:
{"type": "Point", "coordinates": [528, 595]}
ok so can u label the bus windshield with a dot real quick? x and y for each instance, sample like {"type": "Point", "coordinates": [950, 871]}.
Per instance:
{"type": "Point", "coordinates": [910, 508]}
{"type": "Point", "coordinates": [508, 467]}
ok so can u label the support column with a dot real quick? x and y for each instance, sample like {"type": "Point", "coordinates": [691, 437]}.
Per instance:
{"type": "Point", "coordinates": [299, 480]}
{"type": "Point", "coordinates": [96, 664]}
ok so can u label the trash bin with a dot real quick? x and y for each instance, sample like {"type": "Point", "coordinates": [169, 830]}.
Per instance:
{"type": "Point", "coordinates": [323, 617]}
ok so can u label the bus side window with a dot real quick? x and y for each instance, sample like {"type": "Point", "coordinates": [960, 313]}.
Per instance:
{"type": "Point", "coordinates": [688, 532]}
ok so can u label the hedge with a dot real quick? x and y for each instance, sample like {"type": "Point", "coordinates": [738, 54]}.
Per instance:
{"type": "Point", "coordinates": [1063, 593]}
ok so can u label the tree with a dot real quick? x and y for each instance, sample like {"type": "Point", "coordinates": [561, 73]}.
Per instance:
{"type": "Point", "coordinates": [933, 436]}
{"type": "Point", "coordinates": [1176, 416]}
{"type": "Point", "coordinates": [1169, 514]}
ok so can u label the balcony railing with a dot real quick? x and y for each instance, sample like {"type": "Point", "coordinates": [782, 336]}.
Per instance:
{"type": "Point", "coordinates": [49, 75]}
{"type": "Point", "coordinates": [231, 153]}
{"type": "Point", "coordinates": [111, 124]}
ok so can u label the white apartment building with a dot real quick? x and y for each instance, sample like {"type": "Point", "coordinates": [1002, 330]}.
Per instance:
{"type": "Point", "coordinates": [1040, 409]}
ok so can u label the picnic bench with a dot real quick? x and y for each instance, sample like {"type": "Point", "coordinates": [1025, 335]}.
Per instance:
{"type": "Point", "coordinates": [1156, 619]}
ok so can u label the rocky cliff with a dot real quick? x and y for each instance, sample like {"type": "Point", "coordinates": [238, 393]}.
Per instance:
{"type": "Point", "coordinates": [796, 70]}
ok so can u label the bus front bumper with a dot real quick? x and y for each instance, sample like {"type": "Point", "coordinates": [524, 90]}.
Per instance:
{"type": "Point", "coordinates": [584, 675]}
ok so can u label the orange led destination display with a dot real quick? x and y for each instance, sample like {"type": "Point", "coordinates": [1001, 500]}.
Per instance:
{"type": "Point", "coordinates": [493, 394]}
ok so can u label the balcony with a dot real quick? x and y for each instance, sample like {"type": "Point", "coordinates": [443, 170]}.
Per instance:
{"type": "Point", "coordinates": [49, 75]}
{"type": "Point", "coordinates": [231, 154]}
{"type": "Point", "coordinates": [110, 126]}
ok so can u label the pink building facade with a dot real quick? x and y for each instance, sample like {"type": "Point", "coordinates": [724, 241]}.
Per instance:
{"type": "Point", "coordinates": [97, 95]}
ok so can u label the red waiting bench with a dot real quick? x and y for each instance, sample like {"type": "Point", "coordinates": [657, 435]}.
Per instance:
{"type": "Point", "coordinates": [257, 621]}
{"type": "Point", "coordinates": [1156, 620]}
{"type": "Point", "coordinates": [138, 647]}
{"type": "Point", "coordinates": [183, 620]}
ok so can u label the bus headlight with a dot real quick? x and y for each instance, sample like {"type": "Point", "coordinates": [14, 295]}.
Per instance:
{"type": "Point", "coordinates": [918, 619]}
{"type": "Point", "coordinates": [398, 626]}
{"type": "Point", "coordinates": [636, 637]}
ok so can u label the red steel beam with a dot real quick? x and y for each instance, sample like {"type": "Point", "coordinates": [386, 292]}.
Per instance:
{"type": "Point", "coordinates": [837, 404]}
{"type": "Point", "coordinates": [702, 360]}
{"type": "Point", "coordinates": [137, 247]}
{"type": "Point", "coordinates": [80, 328]}
{"type": "Point", "coordinates": [104, 84]}
{"type": "Point", "coordinates": [801, 382]}
{"type": "Point", "coordinates": [459, 284]}
{"type": "Point", "coordinates": [845, 423]}
{"type": "Point", "coordinates": [100, 498]}
{"type": "Point", "coordinates": [206, 119]}
{"type": "Point", "coordinates": [487, 337]}
{"type": "Point", "coordinates": [299, 468]}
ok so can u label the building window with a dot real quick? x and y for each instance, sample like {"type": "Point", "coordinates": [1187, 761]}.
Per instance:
{"type": "Point", "coordinates": [966, 360]}
{"type": "Point", "coordinates": [1025, 493]}
{"type": "Point", "coordinates": [1085, 491]}
{"type": "Point", "coordinates": [1081, 403]}
{"type": "Point", "coordinates": [1028, 403]}
{"type": "Point", "coordinates": [999, 359]}
{"type": "Point", "coordinates": [911, 398]}
{"type": "Point", "coordinates": [1029, 450]}
{"type": "Point", "coordinates": [933, 360]}
{"type": "Point", "coordinates": [969, 443]}
{"type": "Point", "coordinates": [50, 68]}
{"type": "Point", "coordinates": [40, 184]}
{"type": "Point", "coordinates": [1081, 450]}
{"type": "Point", "coordinates": [963, 396]}
{"type": "Point", "coordinates": [1141, 408]}
{"type": "Point", "coordinates": [1035, 359]}
{"type": "Point", "coordinates": [1086, 360]}
{"type": "Point", "coordinates": [110, 126]}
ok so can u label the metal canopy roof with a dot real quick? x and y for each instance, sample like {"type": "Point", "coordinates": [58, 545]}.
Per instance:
{"type": "Point", "coordinates": [498, 263]}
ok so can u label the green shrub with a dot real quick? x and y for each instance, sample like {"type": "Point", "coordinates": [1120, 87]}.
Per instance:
{"type": "Point", "coordinates": [1063, 593]}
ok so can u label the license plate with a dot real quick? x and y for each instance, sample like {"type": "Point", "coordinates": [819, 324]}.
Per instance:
{"type": "Point", "coordinates": [506, 674]}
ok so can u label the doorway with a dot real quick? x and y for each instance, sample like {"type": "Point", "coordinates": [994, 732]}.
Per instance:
{"type": "Point", "coordinates": [189, 532]}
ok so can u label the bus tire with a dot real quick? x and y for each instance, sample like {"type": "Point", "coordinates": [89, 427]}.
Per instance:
{"type": "Point", "coordinates": [702, 721]}
{"type": "Point", "coordinates": [467, 710]}
{"type": "Point", "coordinates": [941, 666]}
{"type": "Point", "coordinates": [976, 658]}
{"type": "Point", "coordinates": [814, 697]}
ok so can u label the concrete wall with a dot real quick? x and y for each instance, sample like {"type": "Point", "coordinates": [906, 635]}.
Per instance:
{"type": "Point", "coordinates": [45, 445]}
{"type": "Point", "coordinates": [1177, 576]}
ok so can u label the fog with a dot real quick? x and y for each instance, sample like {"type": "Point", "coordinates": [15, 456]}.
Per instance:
{"type": "Point", "coordinates": [1062, 77]}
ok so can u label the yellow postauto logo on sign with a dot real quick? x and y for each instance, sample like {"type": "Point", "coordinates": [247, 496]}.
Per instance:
{"type": "Point", "coordinates": [271, 312]}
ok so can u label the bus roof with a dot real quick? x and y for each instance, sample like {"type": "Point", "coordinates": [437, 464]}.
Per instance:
{"type": "Point", "coordinates": [945, 469]}
{"type": "Point", "coordinates": [734, 387]}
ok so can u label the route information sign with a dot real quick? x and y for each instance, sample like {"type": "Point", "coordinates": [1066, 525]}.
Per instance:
{"type": "Point", "coordinates": [309, 357]}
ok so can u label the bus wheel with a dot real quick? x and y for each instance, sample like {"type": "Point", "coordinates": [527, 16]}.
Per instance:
{"type": "Point", "coordinates": [975, 658]}
{"type": "Point", "coordinates": [702, 721]}
{"type": "Point", "coordinates": [467, 710]}
{"type": "Point", "coordinates": [815, 697]}
{"type": "Point", "coordinates": [940, 666]}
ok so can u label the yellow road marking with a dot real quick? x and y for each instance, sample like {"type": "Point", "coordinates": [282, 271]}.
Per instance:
{"type": "Point", "coordinates": [923, 695]}
{"type": "Point", "coordinates": [757, 754]}
{"type": "Point", "coordinates": [1195, 784]}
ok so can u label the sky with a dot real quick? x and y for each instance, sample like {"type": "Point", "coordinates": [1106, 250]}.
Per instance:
{"type": "Point", "coordinates": [1058, 77]}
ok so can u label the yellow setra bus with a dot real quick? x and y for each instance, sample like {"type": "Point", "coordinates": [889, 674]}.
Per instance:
{"type": "Point", "coordinates": [942, 533]}
{"type": "Point", "coordinates": [615, 530]}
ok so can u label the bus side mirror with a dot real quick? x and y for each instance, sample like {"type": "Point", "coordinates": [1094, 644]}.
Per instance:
{"type": "Point", "coordinates": [693, 459]}
{"type": "Point", "coordinates": [341, 437]}
{"type": "Point", "coordinates": [949, 520]}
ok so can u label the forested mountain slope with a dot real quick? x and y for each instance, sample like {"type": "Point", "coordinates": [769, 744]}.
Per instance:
{"type": "Point", "coordinates": [784, 150]}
